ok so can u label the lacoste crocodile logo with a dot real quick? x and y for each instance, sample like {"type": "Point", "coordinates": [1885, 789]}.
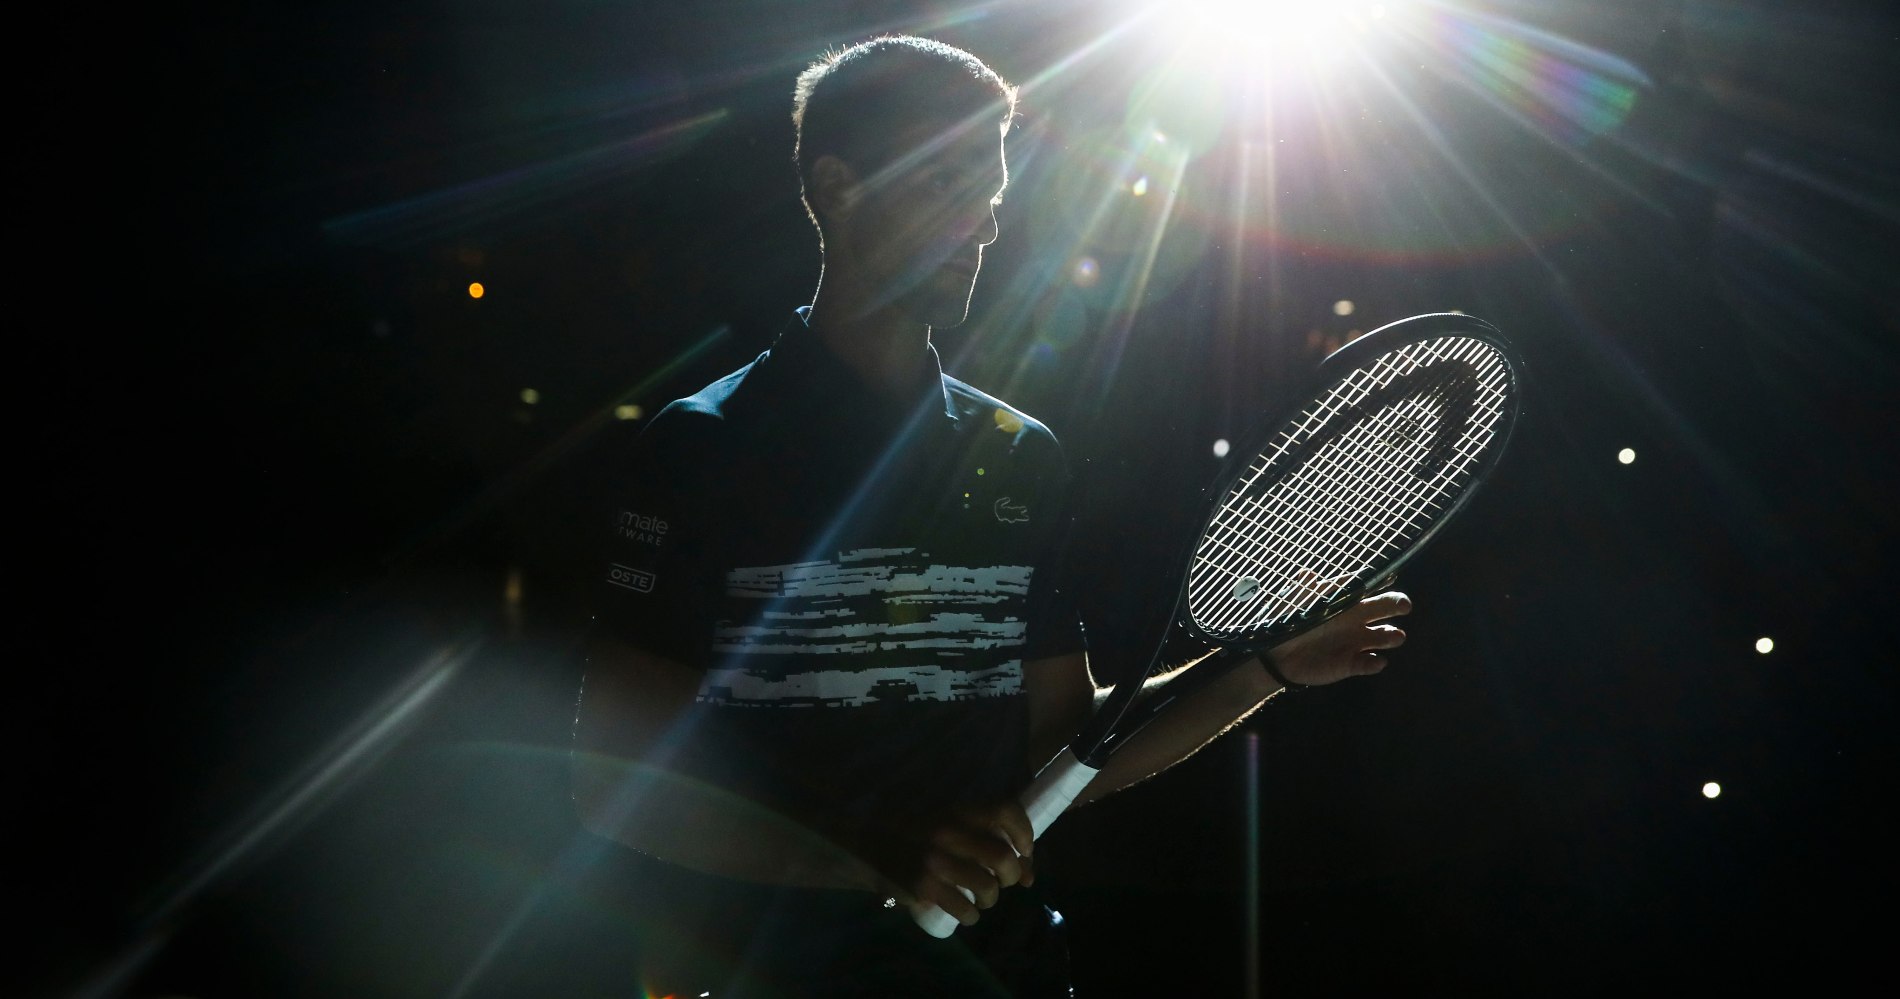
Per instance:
{"type": "Point", "coordinates": [1011, 513]}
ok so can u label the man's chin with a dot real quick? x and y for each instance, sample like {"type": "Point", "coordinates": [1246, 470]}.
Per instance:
{"type": "Point", "coordinates": [949, 320]}
{"type": "Point", "coordinates": [942, 312]}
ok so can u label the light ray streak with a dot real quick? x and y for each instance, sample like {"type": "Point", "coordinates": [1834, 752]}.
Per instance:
{"type": "Point", "coordinates": [1232, 301]}
{"type": "Point", "coordinates": [1134, 285]}
{"type": "Point", "coordinates": [346, 759]}
{"type": "Point", "coordinates": [1251, 966]}
{"type": "Point", "coordinates": [1572, 53]}
{"type": "Point", "coordinates": [1864, 202]}
{"type": "Point", "coordinates": [1022, 285]}
{"type": "Point", "coordinates": [506, 486]}
{"type": "Point", "coordinates": [1459, 167]}
{"type": "Point", "coordinates": [433, 215]}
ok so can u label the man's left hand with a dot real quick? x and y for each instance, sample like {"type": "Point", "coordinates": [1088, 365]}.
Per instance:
{"type": "Point", "coordinates": [1349, 644]}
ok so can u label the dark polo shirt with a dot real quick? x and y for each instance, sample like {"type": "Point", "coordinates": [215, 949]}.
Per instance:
{"type": "Point", "coordinates": [860, 581]}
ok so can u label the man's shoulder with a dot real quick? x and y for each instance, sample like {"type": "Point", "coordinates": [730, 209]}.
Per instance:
{"type": "Point", "coordinates": [972, 403]}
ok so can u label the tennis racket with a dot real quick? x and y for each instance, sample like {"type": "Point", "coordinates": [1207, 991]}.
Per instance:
{"type": "Point", "coordinates": [1407, 421]}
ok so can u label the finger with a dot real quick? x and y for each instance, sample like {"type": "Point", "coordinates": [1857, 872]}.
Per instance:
{"type": "Point", "coordinates": [1384, 636]}
{"type": "Point", "coordinates": [1367, 663]}
{"type": "Point", "coordinates": [903, 896]}
{"type": "Point", "coordinates": [1380, 607]}
{"type": "Point", "coordinates": [961, 873]}
{"type": "Point", "coordinates": [984, 848]}
{"type": "Point", "coordinates": [1012, 823]}
{"type": "Point", "coordinates": [945, 896]}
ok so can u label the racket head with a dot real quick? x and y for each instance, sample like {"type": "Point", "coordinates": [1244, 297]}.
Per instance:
{"type": "Point", "coordinates": [1402, 426]}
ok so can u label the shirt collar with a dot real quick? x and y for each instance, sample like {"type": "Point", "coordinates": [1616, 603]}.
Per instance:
{"type": "Point", "coordinates": [811, 369]}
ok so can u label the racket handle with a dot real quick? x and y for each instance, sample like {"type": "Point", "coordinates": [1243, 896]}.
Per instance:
{"type": "Point", "coordinates": [1047, 797]}
{"type": "Point", "coordinates": [1055, 789]}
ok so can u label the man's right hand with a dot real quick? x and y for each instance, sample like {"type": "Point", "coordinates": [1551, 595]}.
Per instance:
{"type": "Point", "coordinates": [969, 858]}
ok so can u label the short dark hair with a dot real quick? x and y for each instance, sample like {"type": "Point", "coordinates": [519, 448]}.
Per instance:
{"type": "Point", "coordinates": [853, 102]}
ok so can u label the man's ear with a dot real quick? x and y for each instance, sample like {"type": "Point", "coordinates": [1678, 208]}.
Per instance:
{"type": "Point", "coordinates": [834, 187]}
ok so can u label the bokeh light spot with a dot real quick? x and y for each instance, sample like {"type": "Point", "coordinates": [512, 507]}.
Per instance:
{"type": "Point", "coordinates": [530, 396]}
{"type": "Point", "coordinates": [1342, 307]}
{"type": "Point", "coordinates": [1007, 421]}
{"type": "Point", "coordinates": [475, 289]}
{"type": "Point", "coordinates": [1140, 186]}
{"type": "Point", "coordinates": [1764, 645]}
{"type": "Point", "coordinates": [628, 411]}
{"type": "Point", "coordinates": [1086, 273]}
{"type": "Point", "coordinates": [1627, 455]}
{"type": "Point", "coordinates": [1221, 447]}
{"type": "Point", "coordinates": [979, 471]}
{"type": "Point", "coordinates": [1711, 790]}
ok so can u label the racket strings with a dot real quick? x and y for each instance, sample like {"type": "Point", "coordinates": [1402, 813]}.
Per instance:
{"type": "Point", "coordinates": [1328, 489]}
{"type": "Point", "coordinates": [1322, 479]}
{"type": "Point", "coordinates": [1288, 539]}
{"type": "Point", "coordinates": [1329, 510]}
{"type": "Point", "coordinates": [1336, 522]}
{"type": "Point", "coordinates": [1315, 487]}
{"type": "Point", "coordinates": [1332, 547]}
{"type": "Point", "coordinates": [1328, 507]}
{"type": "Point", "coordinates": [1318, 500]}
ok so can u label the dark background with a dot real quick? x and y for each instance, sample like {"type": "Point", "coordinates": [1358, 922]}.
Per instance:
{"type": "Point", "coordinates": [297, 699]}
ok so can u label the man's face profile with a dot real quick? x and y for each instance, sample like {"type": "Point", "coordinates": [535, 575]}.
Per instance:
{"type": "Point", "coordinates": [918, 230]}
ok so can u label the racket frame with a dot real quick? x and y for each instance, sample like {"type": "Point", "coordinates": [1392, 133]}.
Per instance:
{"type": "Point", "coordinates": [1113, 724]}
{"type": "Point", "coordinates": [1068, 774]}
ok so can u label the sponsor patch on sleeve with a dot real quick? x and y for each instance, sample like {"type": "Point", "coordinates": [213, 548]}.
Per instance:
{"type": "Point", "coordinates": [640, 528]}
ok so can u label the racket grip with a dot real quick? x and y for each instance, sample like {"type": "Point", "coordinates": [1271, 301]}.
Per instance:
{"type": "Point", "coordinates": [1055, 789]}
{"type": "Point", "coordinates": [1048, 796]}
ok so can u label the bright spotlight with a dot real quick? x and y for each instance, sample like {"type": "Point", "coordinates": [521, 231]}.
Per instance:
{"type": "Point", "coordinates": [1258, 27]}
{"type": "Point", "coordinates": [1711, 789]}
{"type": "Point", "coordinates": [1262, 18]}
{"type": "Point", "coordinates": [1627, 455]}
{"type": "Point", "coordinates": [1764, 645]}
{"type": "Point", "coordinates": [1221, 447]}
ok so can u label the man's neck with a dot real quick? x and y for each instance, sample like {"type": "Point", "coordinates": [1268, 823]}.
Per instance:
{"type": "Point", "coordinates": [882, 345]}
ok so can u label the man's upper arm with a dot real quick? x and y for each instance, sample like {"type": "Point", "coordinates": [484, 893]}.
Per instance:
{"type": "Point", "coordinates": [647, 598]}
{"type": "Point", "coordinates": [650, 552]}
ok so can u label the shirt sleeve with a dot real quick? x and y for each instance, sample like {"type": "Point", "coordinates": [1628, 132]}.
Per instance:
{"type": "Point", "coordinates": [654, 567]}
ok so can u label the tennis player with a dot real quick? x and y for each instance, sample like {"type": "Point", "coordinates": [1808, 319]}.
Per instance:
{"type": "Point", "coordinates": [831, 642]}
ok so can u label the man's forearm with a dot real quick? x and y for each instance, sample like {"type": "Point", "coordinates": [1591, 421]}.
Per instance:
{"type": "Point", "coordinates": [1183, 728]}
